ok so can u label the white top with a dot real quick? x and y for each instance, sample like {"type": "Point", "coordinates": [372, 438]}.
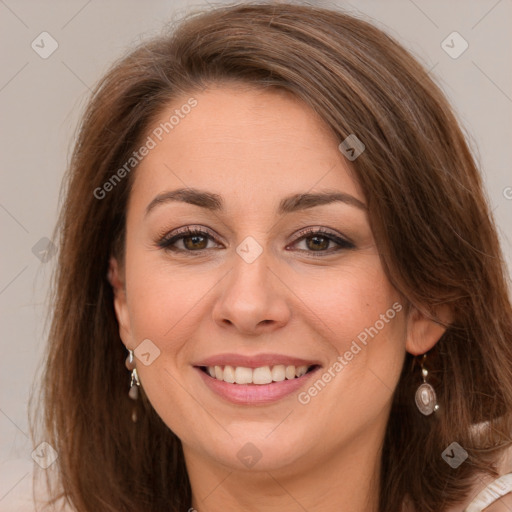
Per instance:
{"type": "Point", "coordinates": [493, 492]}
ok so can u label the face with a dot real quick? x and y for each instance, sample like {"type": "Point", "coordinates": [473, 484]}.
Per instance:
{"type": "Point", "coordinates": [243, 276]}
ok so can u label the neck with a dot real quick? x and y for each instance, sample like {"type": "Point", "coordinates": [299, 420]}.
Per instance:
{"type": "Point", "coordinates": [346, 480]}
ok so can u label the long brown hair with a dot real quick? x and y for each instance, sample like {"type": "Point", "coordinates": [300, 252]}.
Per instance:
{"type": "Point", "coordinates": [427, 210]}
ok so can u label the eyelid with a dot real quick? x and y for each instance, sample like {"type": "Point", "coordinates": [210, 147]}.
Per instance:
{"type": "Point", "coordinates": [312, 230]}
{"type": "Point", "coordinates": [165, 238]}
{"type": "Point", "coordinates": [342, 242]}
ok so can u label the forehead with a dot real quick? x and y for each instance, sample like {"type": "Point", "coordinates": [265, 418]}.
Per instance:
{"type": "Point", "coordinates": [244, 144]}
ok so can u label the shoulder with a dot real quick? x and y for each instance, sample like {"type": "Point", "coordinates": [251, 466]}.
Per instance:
{"type": "Point", "coordinates": [494, 497]}
{"type": "Point", "coordinates": [488, 494]}
{"type": "Point", "coordinates": [491, 494]}
{"type": "Point", "coordinates": [503, 504]}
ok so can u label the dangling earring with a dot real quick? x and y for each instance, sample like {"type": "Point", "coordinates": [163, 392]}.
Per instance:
{"type": "Point", "coordinates": [134, 383]}
{"type": "Point", "coordinates": [426, 399]}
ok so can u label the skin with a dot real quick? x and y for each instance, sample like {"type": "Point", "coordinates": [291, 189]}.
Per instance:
{"type": "Point", "coordinates": [253, 148]}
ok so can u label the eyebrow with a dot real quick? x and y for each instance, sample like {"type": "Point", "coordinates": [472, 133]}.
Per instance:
{"type": "Point", "coordinates": [289, 204]}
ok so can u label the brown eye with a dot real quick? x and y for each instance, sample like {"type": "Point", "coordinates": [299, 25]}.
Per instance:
{"type": "Point", "coordinates": [318, 240]}
{"type": "Point", "coordinates": [192, 240]}
{"type": "Point", "coordinates": [195, 242]}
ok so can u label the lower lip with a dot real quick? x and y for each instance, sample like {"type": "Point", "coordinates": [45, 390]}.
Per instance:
{"type": "Point", "coordinates": [254, 394]}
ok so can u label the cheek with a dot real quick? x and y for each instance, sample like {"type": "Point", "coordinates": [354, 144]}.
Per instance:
{"type": "Point", "coordinates": [361, 320]}
{"type": "Point", "coordinates": [163, 300]}
{"type": "Point", "coordinates": [356, 302]}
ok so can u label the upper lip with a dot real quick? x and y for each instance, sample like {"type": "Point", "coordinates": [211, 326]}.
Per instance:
{"type": "Point", "coordinates": [254, 361]}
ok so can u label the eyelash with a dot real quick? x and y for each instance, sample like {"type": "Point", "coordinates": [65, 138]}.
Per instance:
{"type": "Point", "coordinates": [166, 242]}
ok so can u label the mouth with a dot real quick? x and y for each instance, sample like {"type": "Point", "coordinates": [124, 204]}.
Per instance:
{"type": "Point", "coordinates": [257, 385]}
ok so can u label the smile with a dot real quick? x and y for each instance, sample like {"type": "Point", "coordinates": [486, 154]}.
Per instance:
{"type": "Point", "coordinates": [255, 384]}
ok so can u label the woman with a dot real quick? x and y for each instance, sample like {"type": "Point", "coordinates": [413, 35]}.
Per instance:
{"type": "Point", "coordinates": [279, 285]}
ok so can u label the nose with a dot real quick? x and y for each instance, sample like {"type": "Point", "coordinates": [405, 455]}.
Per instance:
{"type": "Point", "coordinates": [253, 299]}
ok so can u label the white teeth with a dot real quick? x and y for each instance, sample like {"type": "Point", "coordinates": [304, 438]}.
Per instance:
{"type": "Point", "coordinates": [301, 370]}
{"type": "Point", "coordinates": [278, 373]}
{"type": "Point", "coordinates": [261, 375]}
{"type": "Point", "coordinates": [243, 375]}
{"type": "Point", "coordinates": [290, 372]}
{"type": "Point", "coordinates": [229, 374]}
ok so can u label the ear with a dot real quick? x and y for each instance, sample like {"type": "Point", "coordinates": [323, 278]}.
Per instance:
{"type": "Point", "coordinates": [116, 279]}
{"type": "Point", "coordinates": [424, 330]}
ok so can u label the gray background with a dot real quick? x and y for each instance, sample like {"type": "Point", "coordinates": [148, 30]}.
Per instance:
{"type": "Point", "coordinates": [41, 100]}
